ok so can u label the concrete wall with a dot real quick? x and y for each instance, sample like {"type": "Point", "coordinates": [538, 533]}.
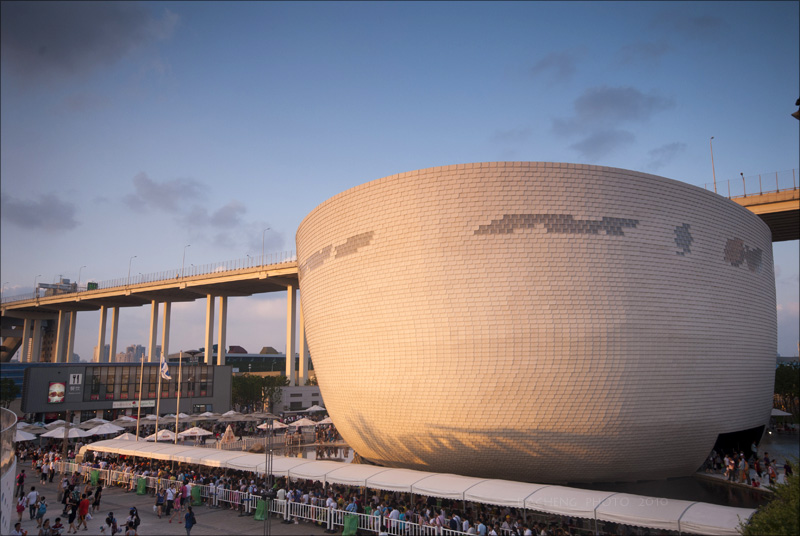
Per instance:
{"type": "Point", "coordinates": [538, 321]}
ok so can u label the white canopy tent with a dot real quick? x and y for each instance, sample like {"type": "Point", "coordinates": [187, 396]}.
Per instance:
{"type": "Point", "coordinates": [635, 510]}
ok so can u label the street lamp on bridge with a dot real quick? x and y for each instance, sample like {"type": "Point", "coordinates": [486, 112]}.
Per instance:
{"type": "Point", "coordinates": [129, 269]}
{"type": "Point", "coordinates": [183, 262]}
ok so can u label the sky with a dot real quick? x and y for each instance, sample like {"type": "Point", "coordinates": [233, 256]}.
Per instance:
{"type": "Point", "coordinates": [137, 129]}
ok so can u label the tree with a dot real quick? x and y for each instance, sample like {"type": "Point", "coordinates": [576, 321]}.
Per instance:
{"type": "Point", "coordinates": [256, 392]}
{"type": "Point", "coordinates": [782, 514]}
{"type": "Point", "coordinates": [787, 388]}
{"type": "Point", "coordinates": [272, 390]}
{"type": "Point", "coordinates": [8, 392]}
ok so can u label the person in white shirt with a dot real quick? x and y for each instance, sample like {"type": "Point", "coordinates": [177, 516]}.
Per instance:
{"type": "Point", "coordinates": [33, 496]}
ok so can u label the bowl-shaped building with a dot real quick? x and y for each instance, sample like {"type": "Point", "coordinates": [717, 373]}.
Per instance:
{"type": "Point", "coordinates": [538, 321]}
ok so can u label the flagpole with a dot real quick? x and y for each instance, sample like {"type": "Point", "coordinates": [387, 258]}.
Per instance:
{"type": "Point", "coordinates": [139, 409]}
{"type": "Point", "coordinates": [178, 408]}
{"type": "Point", "coordinates": [158, 399]}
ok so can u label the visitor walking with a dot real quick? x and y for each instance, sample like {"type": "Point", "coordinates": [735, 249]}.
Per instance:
{"type": "Point", "coordinates": [190, 521]}
{"type": "Point", "coordinates": [20, 491]}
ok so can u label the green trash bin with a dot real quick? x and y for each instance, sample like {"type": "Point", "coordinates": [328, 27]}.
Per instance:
{"type": "Point", "coordinates": [197, 500]}
{"type": "Point", "coordinates": [141, 486]}
{"type": "Point", "coordinates": [261, 510]}
{"type": "Point", "coordinates": [350, 525]}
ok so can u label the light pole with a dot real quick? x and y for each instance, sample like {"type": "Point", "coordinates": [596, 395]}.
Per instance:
{"type": "Point", "coordinates": [183, 262]}
{"type": "Point", "coordinates": [35, 290]}
{"type": "Point", "coordinates": [263, 234]}
{"type": "Point", "coordinates": [713, 172]}
{"type": "Point", "coordinates": [78, 286]}
{"type": "Point", "coordinates": [129, 269]}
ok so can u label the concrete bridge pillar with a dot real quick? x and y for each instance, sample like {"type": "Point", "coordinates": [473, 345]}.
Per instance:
{"type": "Point", "coordinates": [152, 336]}
{"type": "Point", "coordinates": [112, 350]}
{"type": "Point", "coordinates": [101, 337]}
{"type": "Point", "coordinates": [36, 342]}
{"type": "Point", "coordinates": [73, 322]}
{"type": "Point", "coordinates": [209, 329]}
{"type": "Point", "coordinates": [26, 333]}
{"type": "Point", "coordinates": [302, 374]}
{"type": "Point", "coordinates": [223, 329]}
{"type": "Point", "coordinates": [61, 335]}
{"type": "Point", "coordinates": [291, 303]}
{"type": "Point", "coordinates": [165, 329]}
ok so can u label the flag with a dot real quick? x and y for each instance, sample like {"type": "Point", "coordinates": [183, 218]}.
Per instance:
{"type": "Point", "coordinates": [165, 369]}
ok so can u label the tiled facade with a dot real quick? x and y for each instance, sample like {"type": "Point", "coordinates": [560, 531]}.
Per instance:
{"type": "Point", "coordinates": [538, 321]}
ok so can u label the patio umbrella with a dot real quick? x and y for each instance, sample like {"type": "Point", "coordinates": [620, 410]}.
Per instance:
{"type": "Point", "coordinates": [23, 436]}
{"type": "Point", "coordinates": [195, 432]}
{"type": "Point", "coordinates": [34, 429]}
{"type": "Point", "coordinates": [303, 422]}
{"type": "Point", "coordinates": [276, 425]}
{"type": "Point", "coordinates": [315, 408]}
{"type": "Point", "coordinates": [127, 436]}
{"type": "Point", "coordinates": [55, 423]}
{"type": "Point", "coordinates": [125, 418]}
{"type": "Point", "coordinates": [72, 433]}
{"type": "Point", "coordinates": [326, 420]}
{"type": "Point", "coordinates": [163, 435]}
{"type": "Point", "coordinates": [779, 413]}
{"type": "Point", "coordinates": [206, 416]}
{"type": "Point", "coordinates": [107, 428]}
{"type": "Point", "coordinates": [91, 423]}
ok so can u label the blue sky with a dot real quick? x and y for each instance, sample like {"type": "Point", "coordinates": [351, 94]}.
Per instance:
{"type": "Point", "coordinates": [138, 128]}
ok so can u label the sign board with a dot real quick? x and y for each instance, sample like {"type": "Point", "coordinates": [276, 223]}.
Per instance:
{"type": "Point", "coordinates": [75, 384]}
{"type": "Point", "coordinates": [133, 404]}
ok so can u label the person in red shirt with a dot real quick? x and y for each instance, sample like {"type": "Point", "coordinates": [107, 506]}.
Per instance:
{"type": "Point", "coordinates": [83, 509]}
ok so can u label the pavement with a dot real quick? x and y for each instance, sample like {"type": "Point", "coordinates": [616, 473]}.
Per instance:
{"type": "Point", "coordinates": [210, 521]}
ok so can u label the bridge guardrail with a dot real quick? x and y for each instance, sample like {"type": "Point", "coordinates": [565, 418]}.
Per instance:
{"type": "Point", "coordinates": [763, 183]}
{"type": "Point", "coordinates": [270, 259]}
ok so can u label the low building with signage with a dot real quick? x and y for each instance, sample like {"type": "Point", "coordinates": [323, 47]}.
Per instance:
{"type": "Point", "coordinates": [110, 390]}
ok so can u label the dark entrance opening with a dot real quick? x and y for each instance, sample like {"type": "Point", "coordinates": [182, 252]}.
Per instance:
{"type": "Point", "coordinates": [735, 442]}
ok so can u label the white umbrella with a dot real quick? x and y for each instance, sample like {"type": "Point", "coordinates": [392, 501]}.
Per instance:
{"type": "Point", "coordinates": [106, 428]}
{"type": "Point", "coordinates": [326, 420]}
{"type": "Point", "coordinates": [315, 407]}
{"type": "Point", "coordinates": [91, 423]}
{"type": "Point", "coordinates": [23, 436]}
{"type": "Point", "coordinates": [195, 432]}
{"type": "Point", "coordinates": [72, 433]}
{"type": "Point", "coordinates": [127, 436]}
{"type": "Point", "coordinates": [163, 435]}
{"type": "Point", "coordinates": [303, 422]}
{"type": "Point", "coordinates": [232, 413]}
{"type": "Point", "coordinates": [277, 425]}
{"type": "Point", "coordinates": [34, 429]}
{"type": "Point", "coordinates": [125, 418]}
{"type": "Point", "coordinates": [150, 418]}
{"type": "Point", "coordinates": [55, 423]}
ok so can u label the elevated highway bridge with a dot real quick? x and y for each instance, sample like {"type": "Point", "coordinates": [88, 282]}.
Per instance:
{"type": "Point", "coordinates": [778, 207]}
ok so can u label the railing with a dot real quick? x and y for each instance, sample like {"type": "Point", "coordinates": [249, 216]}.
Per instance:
{"type": "Point", "coordinates": [249, 262]}
{"type": "Point", "coordinates": [765, 183]}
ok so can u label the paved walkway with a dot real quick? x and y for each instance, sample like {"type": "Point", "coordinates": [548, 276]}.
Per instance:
{"type": "Point", "coordinates": [210, 521]}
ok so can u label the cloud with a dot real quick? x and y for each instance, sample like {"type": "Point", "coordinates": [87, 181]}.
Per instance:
{"type": "Point", "coordinates": [661, 156]}
{"type": "Point", "coordinates": [170, 196]}
{"type": "Point", "coordinates": [557, 66]}
{"type": "Point", "coordinates": [642, 52]}
{"type": "Point", "coordinates": [602, 142]}
{"type": "Point", "coordinates": [65, 39]}
{"type": "Point", "coordinates": [48, 212]}
{"type": "Point", "coordinates": [229, 215]}
{"type": "Point", "coordinates": [600, 112]}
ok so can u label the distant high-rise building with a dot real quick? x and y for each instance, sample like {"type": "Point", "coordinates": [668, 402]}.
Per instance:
{"type": "Point", "coordinates": [101, 358]}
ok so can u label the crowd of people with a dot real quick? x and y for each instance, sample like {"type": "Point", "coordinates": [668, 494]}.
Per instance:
{"type": "Point", "coordinates": [753, 469]}
{"type": "Point", "coordinates": [81, 500]}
